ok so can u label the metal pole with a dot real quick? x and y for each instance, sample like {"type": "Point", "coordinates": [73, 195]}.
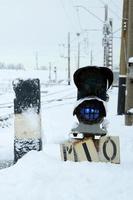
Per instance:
{"type": "Point", "coordinates": [91, 58]}
{"type": "Point", "coordinates": [123, 60]}
{"type": "Point", "coordinates": [78, 66]}
{"type": "Point", "coordinates": [55, 72]}
{"type": "Point", "coordinates": [37, 60]}
{"type": "Point", "coordinates": [105, 39]}
{"type": "Point", "coordinates": [49, 71]}
{"type": "Point", "coordinates": [110, 45]}
{"type": "Point", "coordinates": [129, 80]}
{"type": "Point", "coordinates": [78, 56]}
{"type": "Point", "coordinates": [69, 72]}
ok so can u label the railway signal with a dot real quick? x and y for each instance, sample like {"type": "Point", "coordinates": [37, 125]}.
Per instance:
{"type": "Point", "coordinates": [27, 117]}
{"type": "Point", "coordinates": [92, 83]}
{"type": "Point", "coordinates": [89, 140]}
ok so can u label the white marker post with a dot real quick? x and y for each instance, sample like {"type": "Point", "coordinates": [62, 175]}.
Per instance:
{"type": "Point", "coordinates": [27, 122]}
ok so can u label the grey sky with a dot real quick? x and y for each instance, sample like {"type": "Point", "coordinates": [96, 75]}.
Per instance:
{"type": "Point", "coordinates": [27, 26]}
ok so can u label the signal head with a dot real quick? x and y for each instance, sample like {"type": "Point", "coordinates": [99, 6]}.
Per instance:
{"type": "Point", "coordinates": [90, 111]}
{"type": "Point", "coordinates": [93, 81]}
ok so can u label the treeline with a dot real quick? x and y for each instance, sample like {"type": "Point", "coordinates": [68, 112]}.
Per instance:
{"type": "Point", "coordinates": [18, 66]}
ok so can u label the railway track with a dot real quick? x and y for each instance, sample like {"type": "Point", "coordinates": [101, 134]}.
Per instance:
{"type": "Point", "coordinates": [48, 100]}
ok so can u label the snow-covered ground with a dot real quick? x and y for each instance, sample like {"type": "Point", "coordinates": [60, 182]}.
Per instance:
{"type": "Point", "coordinates": [42, 175]}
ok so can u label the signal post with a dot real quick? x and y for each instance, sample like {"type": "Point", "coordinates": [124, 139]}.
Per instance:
{"type": "Point", "coordinates": [89, 140]}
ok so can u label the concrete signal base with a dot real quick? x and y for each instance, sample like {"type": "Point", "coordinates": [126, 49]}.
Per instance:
{"type": "Point", "coordinates": [21, 147]}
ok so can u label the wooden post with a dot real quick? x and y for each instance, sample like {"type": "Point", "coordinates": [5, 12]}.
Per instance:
{"type": "Point", "coordinates": [129, 81]}
{"type": "Point", "coordinates": [123, 60]}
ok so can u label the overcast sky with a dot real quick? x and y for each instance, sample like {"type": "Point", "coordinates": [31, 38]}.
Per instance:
{"type": "Point", "coordinates": [30, 26]}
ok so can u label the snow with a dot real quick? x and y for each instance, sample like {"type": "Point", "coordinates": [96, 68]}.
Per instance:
{"type": "Point", "coordinates": [130, 60]}
{"type": "Point", "coordinates": [31, 120]}
{"type": "Point", "coordinates": [87, 99]}
{"type": "Point", "coordinates": [130, 110]}
{"type": "Point", "coordinates": [42, 175]}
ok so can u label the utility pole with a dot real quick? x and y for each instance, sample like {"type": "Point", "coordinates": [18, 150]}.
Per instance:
{"type": "Point", "coordinates": [123, 60]}
{"type": "Point", "coordinates": [36, 58]}
{"type": "Point", "coordinates": [110, 45]}
{"type": "Point", "coordinates": [129, 80]}
{"type": "Point", "coordinates": [55, 72]}
{"type": "Point", "coordinates": [69, 72]}
{"type": "Point", "coordinates": [105, 39]}
{"type": "Point", "coordinates": [108, 40]}
{"type": "Point", "coordinates": [49, 71]}
{"type": "Point", "coordinates": [78, 56]}
{"type": "Point", "coordinates": [91, 58]}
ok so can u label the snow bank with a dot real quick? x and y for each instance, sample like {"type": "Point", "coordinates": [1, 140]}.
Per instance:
{"type": "Point", "coordinates": [43, 176]}
{"type": "Point", "coordinates": [39, 176]}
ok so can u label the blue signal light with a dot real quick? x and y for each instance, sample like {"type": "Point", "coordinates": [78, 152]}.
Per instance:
{"type": "Point", "coordinates": [90, 114]}
{"type": "Point", "coordinates": [87, 110]}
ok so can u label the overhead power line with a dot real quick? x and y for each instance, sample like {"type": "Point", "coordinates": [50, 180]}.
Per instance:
{"type": "Point", "coordinates": [102, 2]}
{"type": "Point", "coordinates": [117, 30]}
{"type": "Point", "coordinates": [110, 9]}
{"type": "Point", "coordinates": [77, 15]}
{"type": "Point", "coordinates": [67, 15]}
{"type": "Point", "coordinates": [115, 4]}
{"type": "Point", "coordinates": [79, 18]}
{"type": "Point", "coordinates": [94, 15]}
